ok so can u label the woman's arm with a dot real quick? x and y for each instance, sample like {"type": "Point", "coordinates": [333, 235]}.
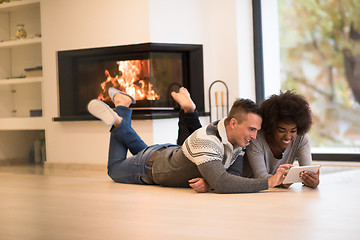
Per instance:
{"type": "Point", "coordinates": [304, 158]}
{"type": "Point", "coordinates": [303, 153]}
{"type": "Point", "coordinates": [255, 155]}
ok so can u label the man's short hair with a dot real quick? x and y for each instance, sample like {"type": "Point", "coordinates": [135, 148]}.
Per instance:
{"type": "Point", "coordinates": [240, 108]}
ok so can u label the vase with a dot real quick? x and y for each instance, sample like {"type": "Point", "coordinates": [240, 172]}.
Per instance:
{"type": "Point", "coordinates": [20, 33]}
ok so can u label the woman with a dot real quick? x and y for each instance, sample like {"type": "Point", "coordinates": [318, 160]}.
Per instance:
{"type": "Point", "coordinates": [283, 138]}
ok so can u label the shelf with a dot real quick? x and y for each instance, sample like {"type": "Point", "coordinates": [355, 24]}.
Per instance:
{"type": "Point", "coordinates": [11, 6]}
{"type": "Point", "coordinates": [26, 123]}
{"type": "Point", "coordinates": [20, 42]}
{"type": "Point", "coordinates": [20, 80]}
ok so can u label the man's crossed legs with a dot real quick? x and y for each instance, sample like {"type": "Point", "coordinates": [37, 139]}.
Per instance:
{"type": "Point", "coordinates": [135, 169]}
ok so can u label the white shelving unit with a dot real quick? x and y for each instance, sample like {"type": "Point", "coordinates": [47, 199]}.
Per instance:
{"type": "Point", "coordinates": [20, 96]}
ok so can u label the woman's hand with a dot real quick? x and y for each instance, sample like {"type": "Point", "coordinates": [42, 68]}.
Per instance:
{"type": "Point", "coordinates": [199, 185]}
{"type": "Point", "coordinates": [310, 179]}
{"type": "Point", "coordinates": [279, 176]}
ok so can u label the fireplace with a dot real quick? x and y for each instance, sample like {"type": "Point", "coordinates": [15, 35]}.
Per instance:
{"type": "Point", "coordinates": [149, 72]}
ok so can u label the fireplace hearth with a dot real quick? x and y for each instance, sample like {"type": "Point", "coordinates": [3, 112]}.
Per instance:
{"type": "Point", "coordinates": [149, 72]}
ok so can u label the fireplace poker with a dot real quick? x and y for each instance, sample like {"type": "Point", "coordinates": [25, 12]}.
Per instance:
{"type": "Point", "coordinates": [222, 104]}
{"type": "Point", "coordinates": [217, 105]}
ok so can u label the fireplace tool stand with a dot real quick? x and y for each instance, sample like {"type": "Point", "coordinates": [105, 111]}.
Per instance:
{"type": "Point", "coordinates": [218, 107]}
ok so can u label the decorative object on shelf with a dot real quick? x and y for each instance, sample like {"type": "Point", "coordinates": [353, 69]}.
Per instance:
{"type": "Point", "coordinates": [5, 1]}
{"type": "Point", "coordinates": [37, 154]}
{"type": "Point", "coordinates": [14, 77]}
{"type": "Point", "coordinates": [20, 33]}
{"type": "Point", "coordinates": [219, 108]}
{"type": "Point", "coordinates": [35, 112]}
{"type": "Point", "coordinates": [33, 72]}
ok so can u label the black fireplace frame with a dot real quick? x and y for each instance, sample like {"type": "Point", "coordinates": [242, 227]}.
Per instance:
{"type": "Point", "coordinates": [193, 78]}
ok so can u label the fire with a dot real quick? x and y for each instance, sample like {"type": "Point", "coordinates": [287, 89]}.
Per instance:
{"type": "Point", "coordinates": [133, 79]}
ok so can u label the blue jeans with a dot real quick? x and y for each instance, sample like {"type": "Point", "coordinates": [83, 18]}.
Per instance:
{"type": "Point", "coordinates": [124, 138]}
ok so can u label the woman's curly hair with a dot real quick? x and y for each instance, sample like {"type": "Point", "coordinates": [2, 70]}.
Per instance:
{"type": "Point", "coordinates": [287, 108]}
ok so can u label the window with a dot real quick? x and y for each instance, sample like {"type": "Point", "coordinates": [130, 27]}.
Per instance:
{"type": "Point", "coordinates": [313, 48]}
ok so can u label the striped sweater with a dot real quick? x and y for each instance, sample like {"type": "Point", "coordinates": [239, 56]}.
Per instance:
{"type": "Point", "coordinates": [211, 144]}
{"type": "Point", "coordinates": [209, 149]}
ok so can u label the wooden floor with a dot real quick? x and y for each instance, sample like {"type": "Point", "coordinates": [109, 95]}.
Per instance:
{"type": "Point", "coordinates": [38, 203]}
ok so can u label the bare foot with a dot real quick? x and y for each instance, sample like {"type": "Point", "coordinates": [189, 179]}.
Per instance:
{"type": "Point", "coordinates": [122, 100]}
{"type": "Point", "coordinates": [184, 100]}
{"type": "Point", "coordinates": [118, 120]}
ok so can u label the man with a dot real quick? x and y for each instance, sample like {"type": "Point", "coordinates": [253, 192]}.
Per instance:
{"type": "Point", "coordinates": [212, 153]}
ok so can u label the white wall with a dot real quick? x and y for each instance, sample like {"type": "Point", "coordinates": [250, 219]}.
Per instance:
{"type": "Point", "coordinates": [245, 66]}
{"type": "Point", "coordinates": [87, 24]}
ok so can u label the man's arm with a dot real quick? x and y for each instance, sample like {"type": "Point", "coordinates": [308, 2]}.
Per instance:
{"type": "Point", "coordinates": [223, 182]}
{"type": "Point", "coordinates": [201, 186]}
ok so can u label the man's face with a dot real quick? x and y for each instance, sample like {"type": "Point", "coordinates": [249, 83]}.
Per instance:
{"type": "Point", "coordinates": [285, 135]}
{"type": "Point", "coordinates": [244, 132]}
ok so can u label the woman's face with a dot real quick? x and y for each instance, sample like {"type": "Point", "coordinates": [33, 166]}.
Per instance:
{"type": "Point", "coordinates": [285, 134]}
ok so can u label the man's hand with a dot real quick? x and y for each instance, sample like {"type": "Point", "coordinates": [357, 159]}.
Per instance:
{"type": "Point", "coordinates": [310, 179]}
{"type": "Point", "coordinates": [199, 185]}
{"type": "Point", "coordinates": [285, 185]}
{"type": "Point", "coordinates": [279, 176]}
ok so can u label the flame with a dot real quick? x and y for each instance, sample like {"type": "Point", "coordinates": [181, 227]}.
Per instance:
{"type": "Point", "coordinates": [132, 79]}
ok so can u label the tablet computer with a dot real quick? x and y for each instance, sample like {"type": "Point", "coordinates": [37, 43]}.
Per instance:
{"type": "Point", "coordinates": [294, 172]}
